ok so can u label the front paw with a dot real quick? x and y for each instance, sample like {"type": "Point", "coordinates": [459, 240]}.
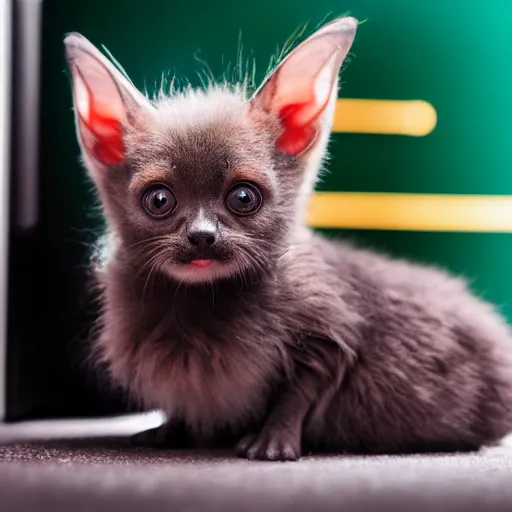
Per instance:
{"type": "Point", "coordinates": [278, 445]}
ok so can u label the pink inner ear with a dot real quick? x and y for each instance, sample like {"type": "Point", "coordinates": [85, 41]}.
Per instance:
{"type": "Point", "coordinates": [300, 129]}
{"type": "Point", "coordinates": [108, 146]}
{"type": "Point", "coordinates": [299, 109]}
{"type": "Point", "coordinates": [102, 130]}
{"type": "Point", "coordinates": [297, 135]}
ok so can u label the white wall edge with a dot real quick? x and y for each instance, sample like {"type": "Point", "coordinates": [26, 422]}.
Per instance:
{"type": "Point", "coordinates": [5, 125]}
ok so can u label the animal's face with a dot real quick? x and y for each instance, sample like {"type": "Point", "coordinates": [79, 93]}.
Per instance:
{"type": "Point", "coordinates": [198, 195]}
{"type": "Point", "coordinates": [207, 184]}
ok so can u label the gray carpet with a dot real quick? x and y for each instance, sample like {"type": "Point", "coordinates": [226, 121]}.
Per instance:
{"type": "Point", "coordinates": [100, 475]}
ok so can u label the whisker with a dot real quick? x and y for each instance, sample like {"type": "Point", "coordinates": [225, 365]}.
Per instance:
{"type": "Point", "coordinates": [151, 258]}
{"type": "Point", "coordinates": [213, 293]}
{"type": "Point", "coordinates": [147, 280]}
{"type": "Point", "coordinates": [159, 238]}
{"type": "Point", "coordinates": [160, 259]}
{"type": "Point", "coordinates": [176, 293]}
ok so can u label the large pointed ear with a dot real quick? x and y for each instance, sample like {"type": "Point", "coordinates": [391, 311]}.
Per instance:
{"type": "Point", "coordinates": [300, 88]}
{"type": "Point", "coordinates": [104, 100]}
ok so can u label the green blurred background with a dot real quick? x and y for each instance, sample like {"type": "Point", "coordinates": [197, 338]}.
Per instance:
{"type": "Point", "coordinates": [455, 54]}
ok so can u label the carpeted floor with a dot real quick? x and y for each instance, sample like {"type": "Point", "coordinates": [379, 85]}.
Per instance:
{"type": "Point", "coordinates": [107, 474]}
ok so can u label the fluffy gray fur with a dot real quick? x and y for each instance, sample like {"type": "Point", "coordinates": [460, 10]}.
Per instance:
{"type": "Point", "coordinates": [301, 343]}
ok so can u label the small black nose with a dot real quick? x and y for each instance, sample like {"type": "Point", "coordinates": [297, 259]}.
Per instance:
{"type": "Point", "coordinates": [202, 238]}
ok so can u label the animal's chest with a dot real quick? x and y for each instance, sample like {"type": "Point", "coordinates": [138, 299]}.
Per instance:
{"type": "Point", "coordinates": [211, 371]}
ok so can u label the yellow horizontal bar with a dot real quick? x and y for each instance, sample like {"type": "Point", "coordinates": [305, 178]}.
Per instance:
{"type": "Point", "coordinates": [411, 212]}
{"type": "Point", "coordinates": [390, 117]}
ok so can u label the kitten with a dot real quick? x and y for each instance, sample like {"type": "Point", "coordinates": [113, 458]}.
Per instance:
{"type": "Point", "coordinates": [222, 308]}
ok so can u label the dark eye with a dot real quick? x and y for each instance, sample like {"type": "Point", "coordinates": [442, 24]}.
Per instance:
{"type": "Point", "coordinates": [244, 199]}
{"type": "Point", "coordinates": [159, 201]}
